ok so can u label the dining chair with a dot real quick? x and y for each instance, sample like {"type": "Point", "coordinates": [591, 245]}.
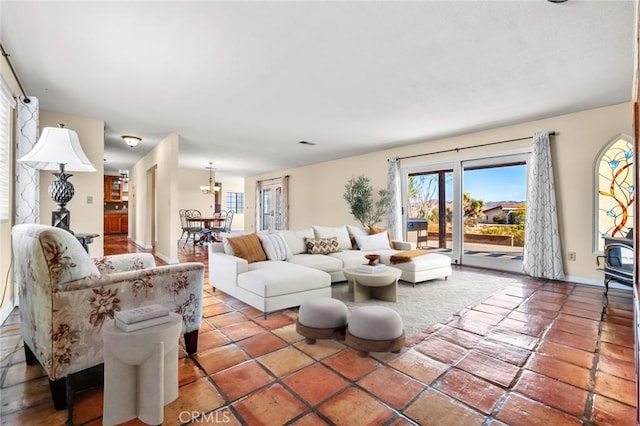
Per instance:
{"type": "Point", "coordinates": [183, 222]}
{"type": "Point", "coordinates": [226, 227]}
{"type": "Point", "coordinates": [194, 227]}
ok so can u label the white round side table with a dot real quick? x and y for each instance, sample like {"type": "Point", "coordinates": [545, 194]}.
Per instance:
{"type": "Point", "coordinates": [380, 285]}
{"type": "Point", "coordinates": [140, 371]}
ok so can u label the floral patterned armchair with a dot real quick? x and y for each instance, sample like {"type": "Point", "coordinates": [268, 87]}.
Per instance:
{"type": "Point", "coordinates": [66, 298]}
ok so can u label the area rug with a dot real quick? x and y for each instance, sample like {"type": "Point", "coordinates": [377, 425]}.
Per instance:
{"type": "Point", "coordinates": [431, 302]}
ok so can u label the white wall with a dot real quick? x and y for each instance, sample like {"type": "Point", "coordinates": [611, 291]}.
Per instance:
{"type": "Point", "coordinates": [316, 190]}
{"type": "Point", "coordinates": [154, 199]}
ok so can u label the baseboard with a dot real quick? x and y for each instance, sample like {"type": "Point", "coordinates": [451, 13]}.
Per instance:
{"type": "Point", "coordinates": [167, 259]}
{"type": "Point", "coordinates": [584, 280]}
{"type": "Point", "coordinates": [142, 245]}
{"type": "Point", "coordinates": [596, 282]}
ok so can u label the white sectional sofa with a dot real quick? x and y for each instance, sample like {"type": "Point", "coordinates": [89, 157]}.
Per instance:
{"type": "Point", "coordinates": [289, 274]}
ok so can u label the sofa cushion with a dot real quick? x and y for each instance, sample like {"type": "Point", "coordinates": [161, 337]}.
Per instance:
{"type": "Point", "coordinates": [356, 230]}
{"type": "Point", "coordinates": [295, 240]}
{"type": "Point", "coordinates": [321, 262]}
{"type": "Point", "coordinates": [274, 246]}
{"type": "Point", "coordinates": [350, 258]}
{"type": "Point", "coordinates": [338, 232]}
{"type": "Point", "coordinates": [373, 242]}
{"type": "Point", "coordinates": [322, 245]}
{"type": "Point", "coordinates": [248, 247]}
{"type": "Point", "coordinates": [269, 279]}
{"type": "Point", "coordinates": [375, 230]}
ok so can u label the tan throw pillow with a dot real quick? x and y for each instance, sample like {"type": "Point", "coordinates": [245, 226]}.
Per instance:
{"type": "Point", "coordinates": [374, 230]}
{"type": "Point", "coordinates": [322, 245]}
{"type": "Point", "coordinates": [248, 247]}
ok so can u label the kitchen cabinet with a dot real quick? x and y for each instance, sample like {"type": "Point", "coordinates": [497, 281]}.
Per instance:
{"type": "Point", "coordinates": [113, 189]}
{"type": "Point", "coordinates": [116, 223]}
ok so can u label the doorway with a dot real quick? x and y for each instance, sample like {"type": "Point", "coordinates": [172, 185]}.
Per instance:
{"type": "Point", "coordinates": [472, 210]}
{"type": "Point", "coordinates": [271, 206]}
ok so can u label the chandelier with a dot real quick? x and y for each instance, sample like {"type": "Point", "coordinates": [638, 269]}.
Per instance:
{"type": "Point", "coordinates": [211, 188]}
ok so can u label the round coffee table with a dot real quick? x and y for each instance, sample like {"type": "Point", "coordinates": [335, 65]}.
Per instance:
{"type": "Point", "coordinates": [380, 285]}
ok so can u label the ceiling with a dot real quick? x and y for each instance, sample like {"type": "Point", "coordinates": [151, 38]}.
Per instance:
{"type": "Point", "coordinates": [243, 82]}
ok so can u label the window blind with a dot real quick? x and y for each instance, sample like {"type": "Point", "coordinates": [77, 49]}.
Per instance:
{"type": "Point", "coordinates": [7, 103]}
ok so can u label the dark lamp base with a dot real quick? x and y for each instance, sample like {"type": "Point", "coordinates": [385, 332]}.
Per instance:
{"type": "Point", "coordinates": [61, 218]}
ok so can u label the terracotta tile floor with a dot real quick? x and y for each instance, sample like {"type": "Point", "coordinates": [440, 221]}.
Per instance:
{"type": "Point", "coordinates": [536, 352]}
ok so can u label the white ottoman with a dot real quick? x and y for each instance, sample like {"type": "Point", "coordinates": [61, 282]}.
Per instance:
{"type": "Point", "coordinates": [375, 329]}
{"type": "Point", "coordinates": [322, 318]}
{"type": "Point", "coordinates": [425, 267]}
{"type": "Point", "coordinates": [140, 371]}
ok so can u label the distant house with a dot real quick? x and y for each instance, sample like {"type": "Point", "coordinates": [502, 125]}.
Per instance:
{"type": "Point", "coordinates": [507, 209]}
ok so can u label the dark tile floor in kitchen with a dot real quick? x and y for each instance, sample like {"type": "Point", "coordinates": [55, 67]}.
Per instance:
{"type": "Point", "coordinates": [537, 352]}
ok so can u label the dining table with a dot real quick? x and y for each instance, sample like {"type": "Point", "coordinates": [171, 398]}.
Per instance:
{"type": "Point", "coordinates": [208, 223]}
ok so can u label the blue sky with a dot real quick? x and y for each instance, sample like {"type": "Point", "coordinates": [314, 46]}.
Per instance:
{"type": "Point", "coordinates": [497, 184]}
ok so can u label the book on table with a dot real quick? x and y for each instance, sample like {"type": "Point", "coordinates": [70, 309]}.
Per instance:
{"type": "Point", "coordinates": [372, 269]}
{"type": "Point", "coordinates": [141, 313]}
{"type": "Point", "coordinates": [138, 325]}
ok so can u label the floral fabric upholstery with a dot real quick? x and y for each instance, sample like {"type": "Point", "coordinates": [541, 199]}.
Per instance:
{"type": "Point", "coordinates": [66, 297]}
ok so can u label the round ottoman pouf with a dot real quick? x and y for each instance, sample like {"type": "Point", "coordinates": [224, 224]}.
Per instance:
{"type": "Point", "coordinates": [375, 329]}
{"type": "Point", "coordinates": [322, 318]}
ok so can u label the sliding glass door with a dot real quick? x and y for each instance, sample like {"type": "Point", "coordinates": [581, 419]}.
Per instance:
{"type": "Point", "coordinates": [430, 209]}
{"type": "Point", "coordinates": [473, 210]}
{"type": "Point", "coordinates": [494, 195]}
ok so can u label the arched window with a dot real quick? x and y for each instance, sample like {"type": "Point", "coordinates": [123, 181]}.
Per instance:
{"type": "Point", "coordinates": [614, 190]}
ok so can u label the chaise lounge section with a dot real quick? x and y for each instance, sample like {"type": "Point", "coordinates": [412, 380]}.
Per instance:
{"type": "Point", "coordinates": [279, 270]}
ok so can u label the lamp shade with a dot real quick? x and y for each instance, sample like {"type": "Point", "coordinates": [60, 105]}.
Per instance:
{"type": "Point", "coordinates": [58, 146]}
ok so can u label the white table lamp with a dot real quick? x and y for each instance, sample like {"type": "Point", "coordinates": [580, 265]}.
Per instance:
{"type": "Point", "coordinates": [59, 149]}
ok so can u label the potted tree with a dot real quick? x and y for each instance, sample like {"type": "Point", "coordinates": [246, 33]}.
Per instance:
{"type": "Point", "coordinates": [358, 193]}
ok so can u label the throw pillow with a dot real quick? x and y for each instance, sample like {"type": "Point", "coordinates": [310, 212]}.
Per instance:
{"type": "Point", "coordinates": [322, 245]}
{"type": "Point", "coordinates": [248, 247]}
{"type": "Point", "coordinates": [295, 240]}
{"type": "Point", "coordinates": [374, 230]}
{"type": "Point", "coordinates": [338, 232]}
{"type": "Point", "coordinates": [274, 246]}
{"type": "Point", "coordinates": [377, 241]}
{"type": "Point", "coordinates": [227, 246]}
{"type": "Point", "coordinates": [356, 230]}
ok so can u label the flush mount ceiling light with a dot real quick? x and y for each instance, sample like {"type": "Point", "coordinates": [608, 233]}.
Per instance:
{"type": "Point", "coordinates": [132, 141]}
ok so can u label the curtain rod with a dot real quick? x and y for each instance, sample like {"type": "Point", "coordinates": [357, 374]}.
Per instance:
{"type": "Point", "coordinates": [275, 178]}
{"type": "Point", "coordinates": [469, 147]}
{"type": "Point", "coordinates": [13, 71]}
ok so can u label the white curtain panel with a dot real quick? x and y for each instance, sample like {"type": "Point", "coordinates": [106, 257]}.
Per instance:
{"type": "Point", "coordinates": [284, 213]}
{"type": "Point", "coordinates": [258, 201]}
{"type": "Point", "coordinates": [393, 213]}
{"type": "Point", "coordinates": [27, 181]}
{"type": "Point", "coordinates": [542, 249]}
